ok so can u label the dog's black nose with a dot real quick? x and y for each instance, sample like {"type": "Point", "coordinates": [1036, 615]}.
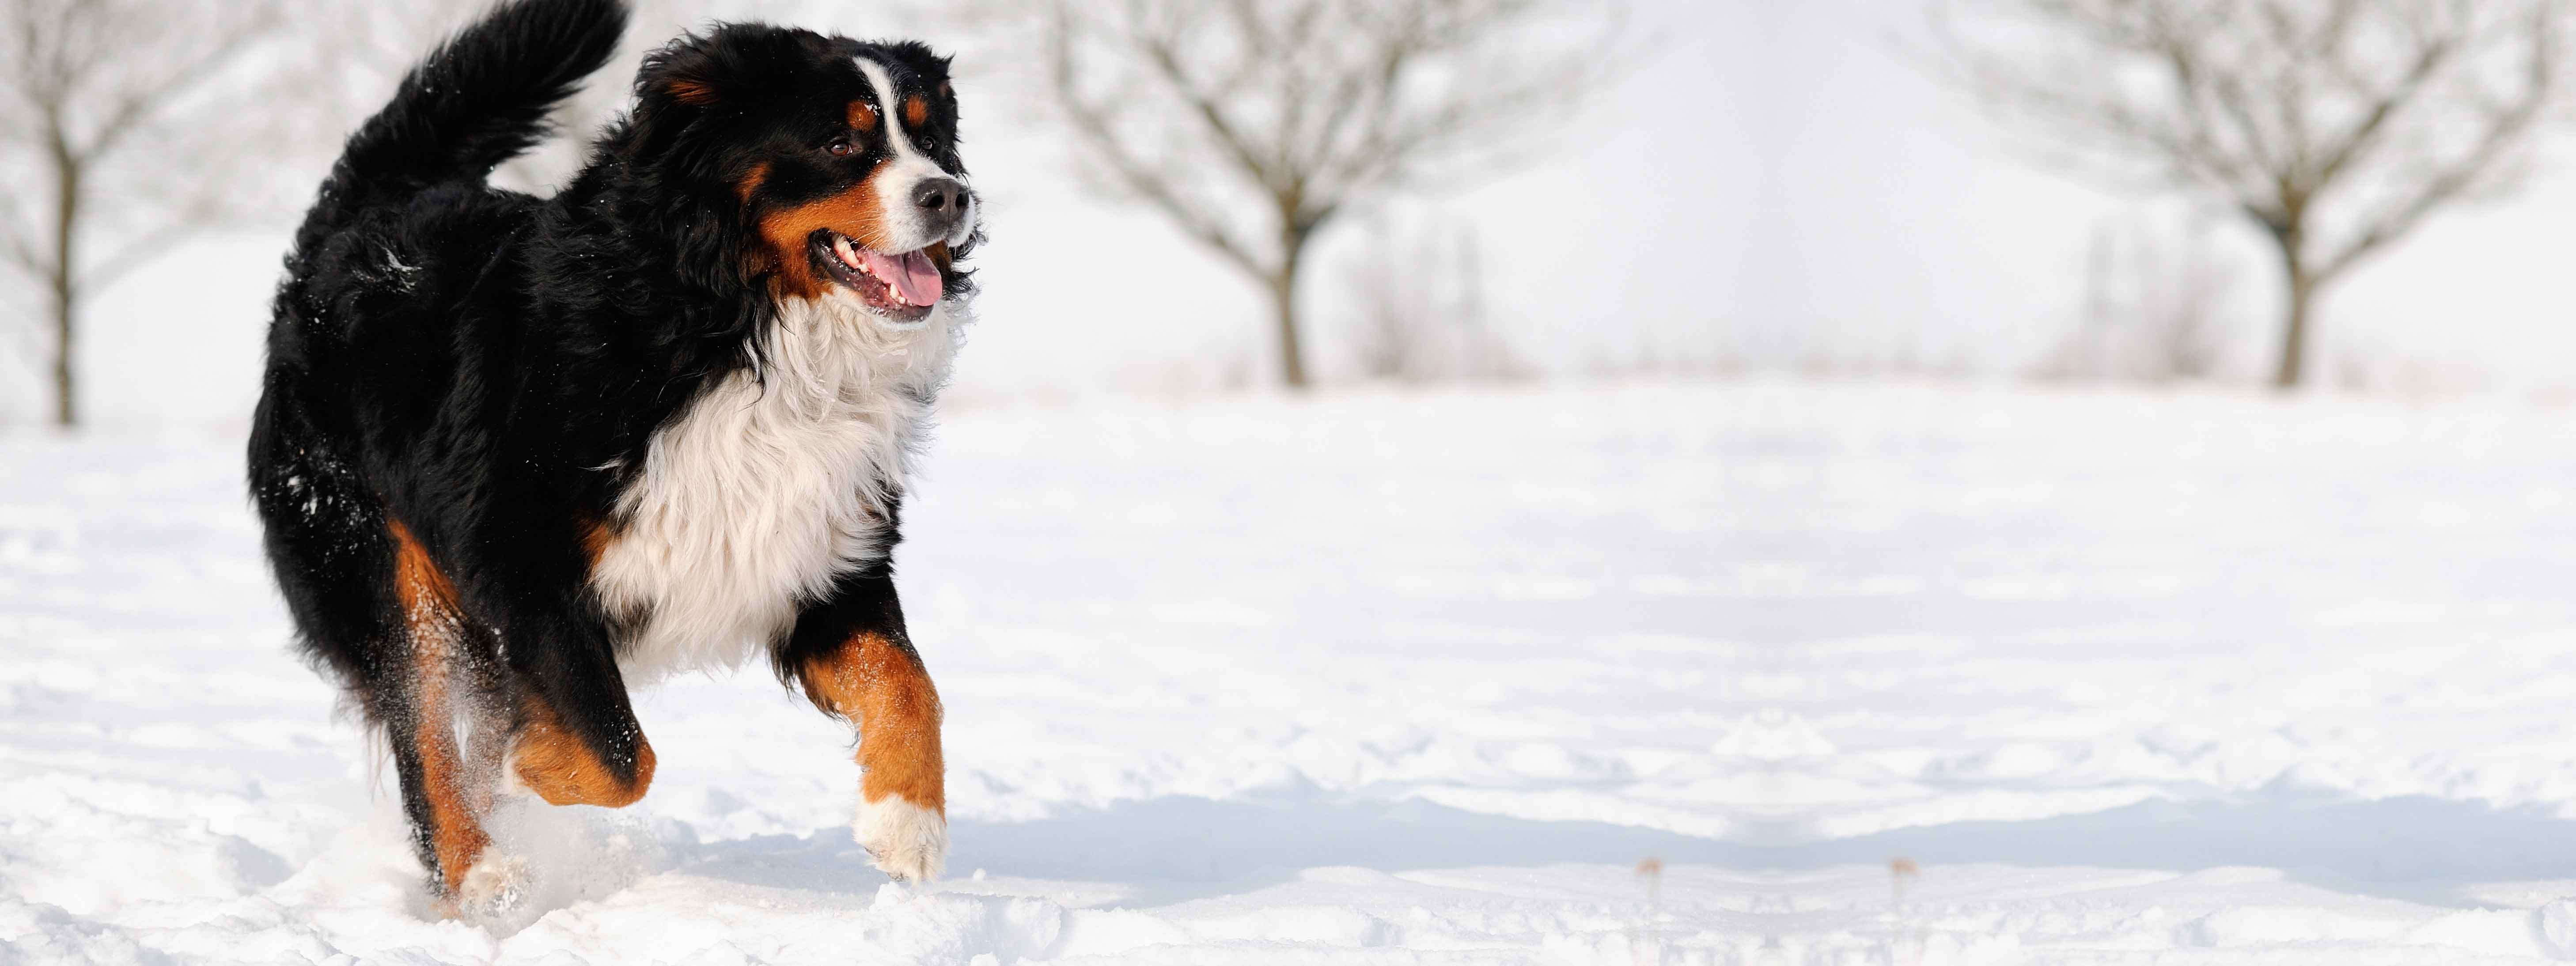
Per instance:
{"type": "Point", "coordinates": [944, 196]}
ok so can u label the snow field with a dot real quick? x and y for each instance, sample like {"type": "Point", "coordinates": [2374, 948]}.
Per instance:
{"type": "Point", "coordinates": [1419, 678]}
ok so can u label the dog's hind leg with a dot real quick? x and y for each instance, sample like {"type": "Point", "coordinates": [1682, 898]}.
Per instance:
{"type": "Point", "coordinates": [444, 796]}
{"type": "Point", "coordinates": [856, 662]}
{"type": "Point", "coordinates": [561, 725]}
{"type": "Point", "coordinates": [372, 607]}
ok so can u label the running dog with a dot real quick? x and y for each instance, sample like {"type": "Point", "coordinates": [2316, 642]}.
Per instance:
{"type": "Point", "coordinates": [516, 454]}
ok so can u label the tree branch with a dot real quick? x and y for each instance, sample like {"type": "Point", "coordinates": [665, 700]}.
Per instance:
{"type": "Point", "coordinates": [149, 95]}
{"type": "Point", "coordinates": [1098, 129]}
{"type": "Point", "coordinates": [1161, 53]}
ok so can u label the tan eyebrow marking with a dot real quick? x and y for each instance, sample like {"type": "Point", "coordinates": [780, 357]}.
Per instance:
{"type": "Point", "coordinates": [863, 115]}
{"type": "Point", "coordinates": [915, 110]}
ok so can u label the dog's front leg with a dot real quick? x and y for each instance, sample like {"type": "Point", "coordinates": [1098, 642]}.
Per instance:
{"type": "Point", "coordinates": [855, 661]}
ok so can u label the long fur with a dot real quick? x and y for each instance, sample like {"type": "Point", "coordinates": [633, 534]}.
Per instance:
{"type": "Point", "coordinates": [773, 483]}
{"type": "Point", "coordinates": [634, 426]}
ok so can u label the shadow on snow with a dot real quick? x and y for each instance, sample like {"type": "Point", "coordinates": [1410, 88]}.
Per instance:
{"type": "Point", "coordinates": [1179, 848]}
{"type": "Point", "coordinates": [2415, 848]}
{"type": "Point", "coordinates": [1174, 849]}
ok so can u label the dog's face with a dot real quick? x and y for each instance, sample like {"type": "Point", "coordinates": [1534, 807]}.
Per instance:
{"type": "Point", "coordinates": [842, 156]}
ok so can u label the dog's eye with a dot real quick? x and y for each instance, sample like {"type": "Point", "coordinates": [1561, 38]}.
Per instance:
{"type": "Point", "coordinates": [841, 147]}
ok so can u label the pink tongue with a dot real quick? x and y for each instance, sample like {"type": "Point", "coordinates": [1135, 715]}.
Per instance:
{"type": "Point", "coordinates": [910, 273]}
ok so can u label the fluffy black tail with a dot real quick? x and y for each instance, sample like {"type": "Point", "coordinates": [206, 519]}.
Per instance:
{"type": "Point", "coordinates": [479, 100]}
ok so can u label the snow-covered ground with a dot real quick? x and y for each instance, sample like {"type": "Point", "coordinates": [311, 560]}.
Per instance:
{"type": "Point", "coordinates": [1393, 678]}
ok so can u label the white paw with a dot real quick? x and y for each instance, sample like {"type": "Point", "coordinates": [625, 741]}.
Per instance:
{"type": "Point", "coordinates": [908, 841]}
{"type": "Point", "coordinates": [493, 888]}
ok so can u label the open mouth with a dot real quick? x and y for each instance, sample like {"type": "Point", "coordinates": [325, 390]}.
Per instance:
{"type": "Point", "coordinates": [900, 287]}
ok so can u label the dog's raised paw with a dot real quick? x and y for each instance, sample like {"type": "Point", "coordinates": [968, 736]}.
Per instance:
{"type": "Point", "coordinates": [906, 840]}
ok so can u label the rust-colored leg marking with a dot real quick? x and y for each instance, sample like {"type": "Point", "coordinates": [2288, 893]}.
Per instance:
{"type": "Point", "coordinates": [883, 689]}
{"type": "Point", "coordinates": [436, 625]}
{"type": "Point", "coordinates": [562, 769]}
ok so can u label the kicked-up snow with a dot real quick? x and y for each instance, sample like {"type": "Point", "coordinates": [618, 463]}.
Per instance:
{"type": "Point", "coordinates": [1387, 677]}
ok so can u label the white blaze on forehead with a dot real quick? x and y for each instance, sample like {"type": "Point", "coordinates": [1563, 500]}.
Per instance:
{"type": "Point", "coordinates": [904, 171]}
{"type": "Point", "coordinates": [892, 110]}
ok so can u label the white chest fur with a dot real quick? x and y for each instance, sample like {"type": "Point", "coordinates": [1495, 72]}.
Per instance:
{"type": "Point", "coordinates": [767, 488]}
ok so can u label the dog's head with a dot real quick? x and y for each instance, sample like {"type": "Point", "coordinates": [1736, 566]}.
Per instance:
{"type": "Point", "coordinates": [832, 162]}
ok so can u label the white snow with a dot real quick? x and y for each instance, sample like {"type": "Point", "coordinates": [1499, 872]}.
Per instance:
{"type": "Point", "coordinates": [1421, 678]}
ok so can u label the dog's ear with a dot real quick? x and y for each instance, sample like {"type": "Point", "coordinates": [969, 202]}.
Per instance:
{"type": "Point", "coordinates": [687, 72]}
{"type": "Point", "coordinates": [694, 89]}
{"type": "Point", "coordinates": [741, 64]}
{"type": "Point", "coordinates": [687, 95]}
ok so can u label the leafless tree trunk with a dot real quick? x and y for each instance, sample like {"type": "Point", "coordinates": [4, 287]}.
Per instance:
{"type": "Point", "coordinates": [1283, 302]}
{"type": "Point", "coordinates": [2334, 126]}
{"type": "Point", "coordinates": [88, 90]}
{"type": "Point", "coordinates": [66, 293]}
{"type": "Point", "coordinates": [2302, 285]}
{"type": "Point", "coordinates": [1253, 125]}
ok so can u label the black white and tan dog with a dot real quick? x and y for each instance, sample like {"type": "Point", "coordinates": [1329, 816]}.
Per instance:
{"type": "Point", "coordinates": [515, 454]}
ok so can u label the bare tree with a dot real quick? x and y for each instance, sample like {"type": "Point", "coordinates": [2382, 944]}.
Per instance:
{"type": "Point", "coordinates": [2334, 126]}
{"type": "Point", "coordinates": [1253, 124]}
{"type": "Point", "coordinates": [90, 97]}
